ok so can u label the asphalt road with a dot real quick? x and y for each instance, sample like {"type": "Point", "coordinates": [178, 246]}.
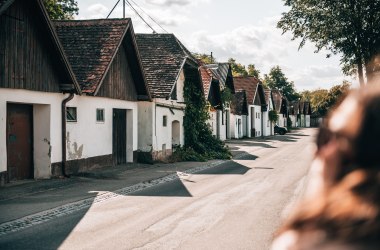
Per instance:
{"type": "Point", "coordinates": [236, 205]}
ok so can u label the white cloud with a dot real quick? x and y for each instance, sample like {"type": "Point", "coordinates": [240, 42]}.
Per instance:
{"type": "Point", "coordinates": [171, 3]}
{"type": "Point", "coordinates": [96, 11]}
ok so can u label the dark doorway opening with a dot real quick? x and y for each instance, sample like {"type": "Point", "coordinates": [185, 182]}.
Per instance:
{"type": "Point", "coordinates": [20, 141]}
{"type": "Point", "coordinates": [119, 136]}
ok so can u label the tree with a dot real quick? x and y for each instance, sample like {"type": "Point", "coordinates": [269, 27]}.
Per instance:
{"type": "Point", "coordinates": [61, 9]}
{"type": "Point", "coordinates": [237, 68]}
{"type": "Point", "coordinates": [323, 100]}
{"type": "Point", "coordinates": [253, 71]}
{"type": "Point", "coordinates": [351, 28]}
{"type": "Point", "coordinates": [206, 59]}
{"type": "Point", "coordinates": [276, 80]}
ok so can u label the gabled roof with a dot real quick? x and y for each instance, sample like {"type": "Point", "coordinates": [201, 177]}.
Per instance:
{"type": "Point", "coordinates": [239, 105]}
{"type": "Point", "coordinates": [163, 57]}
{"type": "Point", "coordinates": [223, 72]}
{"type": "Point", "coordinates": [91, 46]}
{"type": "Point", "coordinates": [305, 108]}
{"type": "Point", "coordinates": [279, 101]}
{"type": "Point", "coordinates": [294, 108]}
{"type": "Point", "coordinates": [249, 84]}
{"type": "Point", "coordinates": [207, 77]}
{"type": "Point", "coordinates": [67, 87]}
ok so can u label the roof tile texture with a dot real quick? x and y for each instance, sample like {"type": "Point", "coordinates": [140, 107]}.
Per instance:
{"type": "Point", "coordinates": [90, 46]}
{"type": "Point", "coordinates": [162, 57]}
{"type": "Point", "coordinates": [249, 84]}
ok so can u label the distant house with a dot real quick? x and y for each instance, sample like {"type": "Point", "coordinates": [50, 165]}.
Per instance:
{"type": "Point", "coordinates": [102, 124]}
{"type": "Point", "coordinates": [281, 106]}
{"type": "Point", "coordinates": [217, 78]}
{"type": "Point", "coordinates": [256, 104]}
{"type": "Point", "coordinates": [268, 128]}
{"type": "Point", "coordinates": [294, 113]}
{"type": "Point", "coordinates": [35, 80]}
{"type": "Point", "coordinates": [212, 92]}
{"type": "Point", "coordinates": [239, 113]}
{"type": "Point", "coordinates": [168, 66]}
{"type": "Point", "coordinates": [305, 113]}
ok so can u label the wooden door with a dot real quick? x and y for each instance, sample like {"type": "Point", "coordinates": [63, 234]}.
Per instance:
{"type": "Point", "coordinates": [119, 136]}
{"type": "Point", "coordinates": [20, 141]}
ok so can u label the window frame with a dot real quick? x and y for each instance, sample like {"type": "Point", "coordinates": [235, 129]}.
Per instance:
{"type": "Point", "coordinates": [103, 115]}
{"type": "Point", "coordinates": [68, 112]}
{"type": "Point", "coordinates": [164, 121]}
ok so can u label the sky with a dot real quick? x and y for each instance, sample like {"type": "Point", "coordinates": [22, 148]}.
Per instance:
{"type": "Point", "coordinates": [241, 29]}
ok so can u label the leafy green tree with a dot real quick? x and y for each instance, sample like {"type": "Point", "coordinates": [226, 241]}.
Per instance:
{"type": "Point", "coordinates": [350, 28]}
{"type": "Point", "coordinates": [253, 71]}
{"type": "Point", "coordinates": [61, 9]}
{"type": "Point", "coordinates": [237, 68]}
{"type": "Point", "coordinates": [276, 80]}
{"type": "Point", "coordinates": [206, 59]}
{"type": "Point", "coordinates": [323, 100]}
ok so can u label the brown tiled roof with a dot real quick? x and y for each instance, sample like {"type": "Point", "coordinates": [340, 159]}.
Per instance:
{"type": "Point", "coordinates": [277, 100]}
{"type": "Point", "coordinates": [247, 83]}
{"type": "Point", "coordinates": [239, 104]}
{"type": "Point", "coordinates": [90, 46]}
{"type": "Point", "coordinates": [207, 77]}
{"type": "Point", "coordinates": [294, 108]}
{"type": "Point", "coordinates": [163, 57]}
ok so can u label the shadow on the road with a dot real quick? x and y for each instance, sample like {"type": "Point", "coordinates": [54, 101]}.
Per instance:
{"type": "Point", "coordinates": [262, 168]}
{"type": "Point", "coordinates": [172, 189]}
{"type": "Point", "coordinates": [248, 142]}
{"type": "Point", "coordinates": [247, 157]}
{"type": "Point", "coordinates": [29, 239]}
{"type": "Point", "coordinates": [227, 168]}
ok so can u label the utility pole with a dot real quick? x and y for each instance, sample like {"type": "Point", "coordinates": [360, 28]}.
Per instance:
{"type": "Point", "coordinates": [123, 8]}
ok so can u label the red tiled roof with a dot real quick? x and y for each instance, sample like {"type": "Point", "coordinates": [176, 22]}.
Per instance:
{"type": "Point", "coordinates": [206, 76]}
{"type": "Point", "coordinates": [90, 46]}
{"type": "Point", "coordinates": [247, 83]}
{"type": "Point", "coordinates": [277, 100]}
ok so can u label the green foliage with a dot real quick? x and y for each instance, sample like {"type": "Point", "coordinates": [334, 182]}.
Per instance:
{"type": "Point", "coordinates": [61, 9]}
{"type": "Point", "coordinates": [226, 96]}
{"type": "Point", "coordinates": [206, 59]}
{"type": "Point", "coordinates": [253, 71]}
{"type": "Point", "coordinates": [276, 80]}
{"type": "Point", "coordinates": [322, 100]}
{"type": "Point", "coordinates": [346, 27]}
{"type": "Point", "coordinates": [198, 135]}
{"type": "Point", "coordinates": [273, 116]}
{"type": "Point", "coordinates": [237, 68]}
{"type": "Point", "coordinates": [186, 154]}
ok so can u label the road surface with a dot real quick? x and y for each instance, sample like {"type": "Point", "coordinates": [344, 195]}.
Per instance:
{"type": "Point", "coordinates": [236, 205]}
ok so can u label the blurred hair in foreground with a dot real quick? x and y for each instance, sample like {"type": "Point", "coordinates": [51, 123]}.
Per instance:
{"type": "Point", "coordinates": [342, 211]}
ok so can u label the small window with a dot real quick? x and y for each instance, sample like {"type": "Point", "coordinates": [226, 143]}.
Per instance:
{"type": "Point", "coordinates": [71, 114]}
{"type": "Point", "coordinates": [164, 121]}
{"type": "Point", "coordinates": [222, 117]}
{"type": "Point", "coordinates": [99, 115]}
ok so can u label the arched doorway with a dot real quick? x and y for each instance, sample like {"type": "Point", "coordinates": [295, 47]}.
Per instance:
{"type": "Point", "coordinates": [176, 134]}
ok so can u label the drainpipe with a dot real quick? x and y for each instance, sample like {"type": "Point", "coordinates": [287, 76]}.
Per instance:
{"type": "Point", "coordinates": [63, 113]}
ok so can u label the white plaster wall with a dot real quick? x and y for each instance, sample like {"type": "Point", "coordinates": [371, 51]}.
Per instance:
{"type": "Point", "coordinates": [146, 125]}
{"type": "Point", "coordinates": [293, 118]}
{"type": "Point", "coordinates": [245, 122]}
{"type": "Point", "coordinates": [233, 126]}
{"type": "Point", "coordinates": [222, 124]}
{"type": "Point", "coordinates": [152, 133]}
{"type": "Point", "coordinates": [47, 114]}
{"type": "Point", "coordinates": [180, 85]}
{"type": "Point", "coordinates": [212, 122]}
{"type": "Point", "coordinates": [163, 135]}
{"type": "Point", "coordinates": [257, 121]}
{"type": "Point", "coordinates": [267, 126]}
{"type": "Point", "coordinates": [307, 122]}
{"type": "Point", "coordinates": [88, 138]}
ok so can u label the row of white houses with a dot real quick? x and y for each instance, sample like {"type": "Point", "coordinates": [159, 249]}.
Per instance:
{"type": "Point", "coordinates": [80, 94]}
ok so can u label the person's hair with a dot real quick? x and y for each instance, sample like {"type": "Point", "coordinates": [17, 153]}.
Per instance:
{"type": "Point", "coordinates": [348, 211]}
